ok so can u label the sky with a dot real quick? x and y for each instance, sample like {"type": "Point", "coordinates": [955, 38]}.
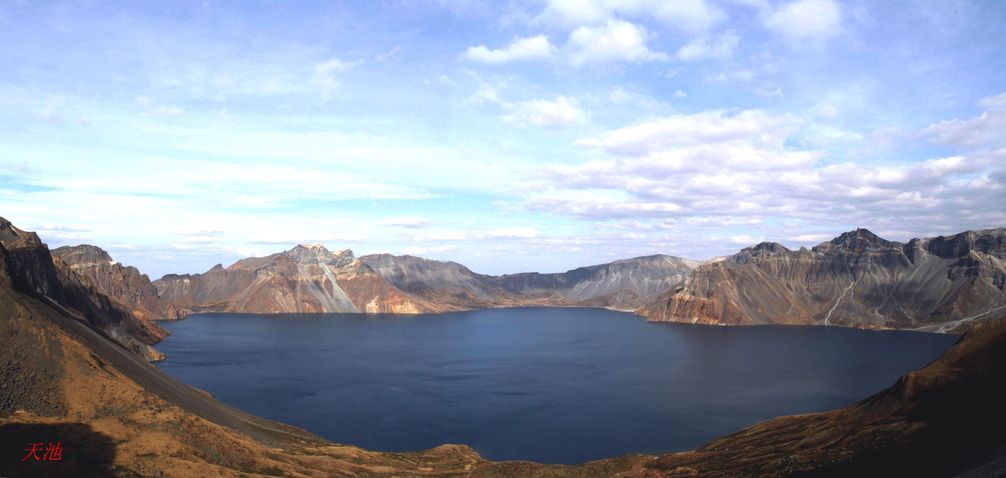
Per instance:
{"type": "Point", "coordinates": [537, 135]}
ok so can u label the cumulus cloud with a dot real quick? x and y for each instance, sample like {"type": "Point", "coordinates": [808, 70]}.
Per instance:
{"type": "Point", "coordinates": [703, 48]}
{"type": "Point", "coordinates": [806, 20]}
{"type": "Point", "coordinates": [687, 15]}
{"type": "Point", "coordinates": [559, 113]}
{"type": "Point", "coordinates": [714, 164]}
{"type": "Point", "coordinates": [520, 49]}
{"type": "Point", "coordinates": [986, 130]}
{"type": "Point", "coordinates": [615, 41]}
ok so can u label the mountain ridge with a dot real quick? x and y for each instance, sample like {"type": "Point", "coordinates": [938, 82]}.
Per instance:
{"type": "Point", "coordinates": [856, 279]}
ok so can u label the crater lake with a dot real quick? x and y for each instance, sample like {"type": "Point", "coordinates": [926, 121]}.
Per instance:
{"type": "Point", "coordinates": [554, 385]}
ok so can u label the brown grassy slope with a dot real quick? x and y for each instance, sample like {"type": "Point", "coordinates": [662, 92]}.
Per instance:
{"type": "Point", "coordinates": [942, 420]}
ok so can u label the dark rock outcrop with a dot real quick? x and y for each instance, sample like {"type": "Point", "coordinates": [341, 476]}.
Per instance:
{"type": "Point", "coordinates": [33, 270]}
{"type": "Point", "coordinates": [124, 284]}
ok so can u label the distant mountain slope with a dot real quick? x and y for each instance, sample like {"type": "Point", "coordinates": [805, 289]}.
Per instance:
{"type": "Point", "coordinates": [856, 279]}
{"type": "Point", "coordinates": [619, 284]}
{"type": "Point", "coordinates": [307, 279]}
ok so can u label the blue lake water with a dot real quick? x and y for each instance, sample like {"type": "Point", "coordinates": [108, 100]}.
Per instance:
{"type": "Point", "coordinates": [556, 385]}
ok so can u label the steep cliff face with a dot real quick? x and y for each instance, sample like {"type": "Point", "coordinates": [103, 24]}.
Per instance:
{"type": "Point", "coordinates": [33, 270]}
{"type": "Point", "coordinates": [123, 284]}
{"type": "Point", "coordinates": [305, 279]}
{"type": "Point", "coordinates": [856, 279]}
{"type": "Point", "coordinates": [620, 284]}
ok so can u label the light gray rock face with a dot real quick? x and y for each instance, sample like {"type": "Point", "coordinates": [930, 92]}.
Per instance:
{"type": "Point", "coordinates": [620, 284]}
{"type": "Point", "coordinates": [417, 275]}
{"type": "Point", "coordinates": [856, 279]}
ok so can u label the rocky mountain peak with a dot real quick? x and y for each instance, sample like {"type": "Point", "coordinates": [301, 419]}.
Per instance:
{"type": "Point", "coordinates": [83, 255]}
{"type": "Point", "coordinates": [319, 254]}
{"type": "Point", "coordinates": [856, 240]}
{"type": "Point", "coordinates": [14, 238]}
{"type": "Point", "coordinates": [762, 249]}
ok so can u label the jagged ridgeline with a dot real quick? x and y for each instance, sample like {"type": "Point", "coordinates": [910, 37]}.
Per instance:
{"type": "Point", "coordinates": [314, 279]}
{"type": "Point", "coordinates": [856, 279]}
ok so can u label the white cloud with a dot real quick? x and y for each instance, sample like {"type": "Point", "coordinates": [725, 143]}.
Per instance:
{"type": "Point", "coordinates": [154, 109]}
{"type": "Point", "coordinates": [518, 232]}
{"type": "Point", "coordinates": [806, 20]}
{"type": "Point", "coordinates": [512, 233]}
{"type": "Point", "coordinates": [696, 130]}
{"type": "Point", "coordinates": [713, 164]}
{"type": "Point", "coordinates": [327, 76]}
{"type": "Point", "coordinates": [986, 130]}
{"type": "Point", "coordinates": [520, 49]}
{"type": "Point", "coordinates": [689, 15]}
{"type": "Point", "coordinates": [622, 96]}
{"type": "Point", "coordinates": [702, 48]}
{"type": "Point", "coordinates": [559, 113]}
{"type": "Point", "coordinates": [405, 221]}
{"type": "Point", "coordinates": [419, 251]}
{"type": "Point", "coordinates": [686, 15]}
{"type": "Point", "coordinates": [615, 41]}
{"type": "Point", "coordinates": [486, 94]}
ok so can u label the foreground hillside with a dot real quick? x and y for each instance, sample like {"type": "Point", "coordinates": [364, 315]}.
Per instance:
{"type": "Point", "coordinates": [64, 378]}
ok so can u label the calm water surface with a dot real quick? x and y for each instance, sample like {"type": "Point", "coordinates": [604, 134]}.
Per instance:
{"type": "Point", "coordinates": [551, 385]}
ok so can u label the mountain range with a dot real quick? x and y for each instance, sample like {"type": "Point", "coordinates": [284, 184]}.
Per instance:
{"type": "Point", "coordinates": [857, 279]}
{"type": "Point", "coordinates": [72, 369]}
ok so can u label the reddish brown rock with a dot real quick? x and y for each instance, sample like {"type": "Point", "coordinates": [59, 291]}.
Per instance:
{"type": "Point", "coordinates": [124, 284]}
{"type": "Point", "coordinates": [305, 279]}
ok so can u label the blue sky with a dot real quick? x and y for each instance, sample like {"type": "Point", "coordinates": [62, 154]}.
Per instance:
{"type": "Point", "coordinates": [509, 136]}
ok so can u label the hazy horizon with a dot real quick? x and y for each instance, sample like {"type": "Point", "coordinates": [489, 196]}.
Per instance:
{"type": "Point", "coordinates": [531, 136]}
